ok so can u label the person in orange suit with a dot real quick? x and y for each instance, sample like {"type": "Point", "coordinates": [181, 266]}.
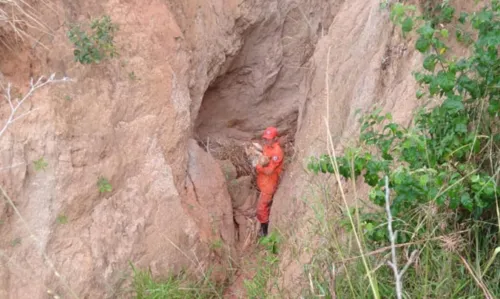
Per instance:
{"type": "Point", "coordinates": [268, 176]}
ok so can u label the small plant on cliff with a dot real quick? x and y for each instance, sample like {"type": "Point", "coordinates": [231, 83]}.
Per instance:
{"type": "Point", "coordinates": [15, 242]}
{"type": "Point", "coordinates": [96, 44]}
{"type": "Point", "coordinates": [271, 242]}
{"type": "Point", "coordinates": [40, 164]}
{"type": "Point", "coordinates": [216, 244]}
{"type": "Point", "coordinates": [103, 185]}
{"type": "Point", "coordinates": [132, 76]}
{"type": "Point", "coordinates": [62, 219]}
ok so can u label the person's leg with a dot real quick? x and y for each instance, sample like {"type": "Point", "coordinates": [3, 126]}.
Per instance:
{"type": "Point", "coordinates": [263, 229]}
{"type": "Point", "coordinates": [263, 210]}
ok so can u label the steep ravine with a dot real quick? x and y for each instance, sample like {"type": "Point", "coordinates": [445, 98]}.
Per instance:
{"type": "Point", "coordinates": [206, 71]}
{"type": "Point", "coordinates": [198, 66]}
{"type": "Point", "coordinates": [261, 86]}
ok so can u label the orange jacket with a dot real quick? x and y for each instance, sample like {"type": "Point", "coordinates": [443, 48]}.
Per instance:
{"type": "Point", "coordinates": [268, 176]}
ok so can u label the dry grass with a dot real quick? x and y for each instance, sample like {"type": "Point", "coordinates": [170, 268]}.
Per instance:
{"type": "Point", "coordinates": [19, 21]}
{"type": "Point", "coordinates": [231, 150]}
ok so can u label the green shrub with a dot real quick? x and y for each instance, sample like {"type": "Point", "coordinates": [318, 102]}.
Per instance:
{"type": "Point", "coordinates": [96, 44]}
{"type": "Point", "coordinates": [449, 156]}
{"type": "Point", "coordinates": [443, 174]}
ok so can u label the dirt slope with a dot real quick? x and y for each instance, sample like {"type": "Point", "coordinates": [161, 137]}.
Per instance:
{"type": "Point", "coordinates": [133, 132]}
{"type": "Point", "coordinates": [369, 64]}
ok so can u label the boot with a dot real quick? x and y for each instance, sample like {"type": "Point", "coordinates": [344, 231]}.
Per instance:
{"type": "Point", "coordinates": [263, 229]}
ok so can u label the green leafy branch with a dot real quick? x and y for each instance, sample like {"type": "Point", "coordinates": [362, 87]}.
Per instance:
{"type": "Point", "coordinates": [449, 156]}
{"type": "Point", "coordinates": [96, 44]}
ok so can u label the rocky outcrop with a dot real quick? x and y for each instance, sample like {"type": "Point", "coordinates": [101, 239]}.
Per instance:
{"type": "Point", "coordinates": [208, 202]}
{"type": "Point", "coordinates": [261, 86]}
{"type": "Point", "coordinates": [133, 132]}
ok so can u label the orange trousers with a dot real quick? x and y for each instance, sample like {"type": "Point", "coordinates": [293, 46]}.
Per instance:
{"type": "Point", "coordinates": [267, 180]}
{"type": "Point", "coordinates": [264, 207]}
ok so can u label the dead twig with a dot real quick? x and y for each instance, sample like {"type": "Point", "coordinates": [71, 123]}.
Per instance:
{"type": "Point", "coordinates": [383, 249]}
{"type": "Point", "coordinates": [398, 274]}
{"type": "Point", "coordinates": [21, 18]}
{"type": "Point", "coordinates": [481, 285]}
{"type": "Point", "coordinates": [15, 104]}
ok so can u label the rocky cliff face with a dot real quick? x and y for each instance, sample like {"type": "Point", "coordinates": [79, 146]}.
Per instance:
{"type": "Point", "coordinates": [360, 62]}
{"type": "Point", "coordinates": [262, 85]}
{"type": "Point", "coordinates": [226, 68]}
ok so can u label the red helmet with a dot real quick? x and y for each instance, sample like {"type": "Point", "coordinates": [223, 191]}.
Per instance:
{"type": "Point", "coordinates": [270, 133]}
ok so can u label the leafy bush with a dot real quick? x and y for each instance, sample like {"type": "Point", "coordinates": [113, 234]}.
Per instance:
{"type": "Point", "coordinates": [96, 44]}
{"type": "Point", "coordinates": [443, 174]}
{"type": "Point", "coordinates": [449, 156]}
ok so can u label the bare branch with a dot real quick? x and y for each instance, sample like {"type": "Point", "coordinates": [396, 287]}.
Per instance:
{"type": "Point", "coordinates": [14, 116]}
{"type": "Point", "coordinates": [7, 96]}
{"type": "Point", "coordinates": [398, 275]}
{"type": "Point", "coordinates": [333, 274]}
{"type": "Point", "coordinates": [477, 279]}
{"type": "Point", "coordinates": [41, 82]}
{"type": "Point", "coordinates": [24, 114]}
{"type": "Point", "coordinates": [392, 237]}
{"type": "Point", "coordinates": [410, 261]}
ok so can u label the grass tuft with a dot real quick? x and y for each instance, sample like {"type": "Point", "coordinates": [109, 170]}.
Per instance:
{"type": "Point", "coordinates": [174, 286]}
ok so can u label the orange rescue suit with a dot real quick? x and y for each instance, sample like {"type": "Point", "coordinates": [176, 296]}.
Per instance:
{"type": "Point", "coordinates": [267, 179]}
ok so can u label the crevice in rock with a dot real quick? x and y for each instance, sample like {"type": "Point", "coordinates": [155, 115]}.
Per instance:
{"type": "Point", "coordinates": [261, 85]}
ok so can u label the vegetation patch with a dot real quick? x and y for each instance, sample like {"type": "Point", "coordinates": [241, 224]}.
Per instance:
{"type": "Point", "coordinates": [95, 43]}
{"type": "Point", "coordinates": [266, 268]}
{"type": "Point", "coordinates": [174, 287]}
{"type": "Point", "coordinates": [442, 173]}
{"type": "Point", "coordinates": [104, 185]}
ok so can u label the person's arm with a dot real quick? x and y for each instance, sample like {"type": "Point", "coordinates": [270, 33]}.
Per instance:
{"type": "Point", "coordinates": [274, 162]}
